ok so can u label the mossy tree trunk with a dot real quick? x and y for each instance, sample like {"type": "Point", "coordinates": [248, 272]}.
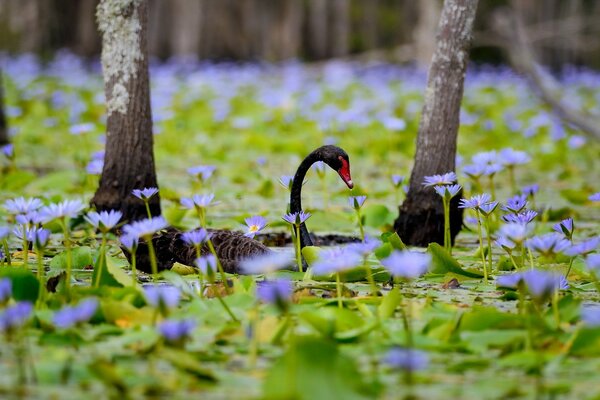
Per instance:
{"type": "Point", "coordinates": [129, 159]}
{"type": "Point", "coordinates": [421, 219]}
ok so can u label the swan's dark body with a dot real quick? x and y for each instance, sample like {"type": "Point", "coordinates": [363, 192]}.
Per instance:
{"type": "Point", "coordinates": [231, 246]}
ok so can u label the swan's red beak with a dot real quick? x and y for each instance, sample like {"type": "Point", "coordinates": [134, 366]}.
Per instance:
{"type": "Point", "coordinates": [344, 172]}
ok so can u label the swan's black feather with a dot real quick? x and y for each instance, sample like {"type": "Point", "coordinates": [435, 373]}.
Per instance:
{"type": "Point", "coordinates": [231, 247]}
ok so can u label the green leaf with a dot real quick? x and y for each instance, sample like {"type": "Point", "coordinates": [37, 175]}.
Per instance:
{"type": "Point", "coordinates": [482, 318]}
{"type": "Point", "coordinates": [444, 263]}
{"type": "Point", "coordinates": [383, 251]}
{"type": "Point", "coordinates": [311, 254]}
{"type": "Point", "coordinates": [17, 180]}
{"type": "Point", "coordinates": [186, 362]}
{"type": "Point", "coordinates": [586, 343]}
{"type": "Point", "coordinates": [389, 304]}
{"type": "Point", "coordinates": [183, 269]}
{"type": "Point", "coordinates": [330, 321]}
{"type": "Point", "coordinates": [377, 215]}
{"type": "Point", "coordinates": [314, 369]}
{"type": "Point", "coordinates": [81, 257]}
{"type": "Point", "coordinates": [25, 286]}
{"type": "Point", "coordinates": [396, 242]}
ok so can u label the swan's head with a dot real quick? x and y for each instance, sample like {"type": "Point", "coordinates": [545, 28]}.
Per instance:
{"type": "Point", "coordinates": [338, 160]}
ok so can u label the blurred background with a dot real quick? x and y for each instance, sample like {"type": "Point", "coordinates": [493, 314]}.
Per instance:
{"type": "Point", "coordinates": [561, 31]}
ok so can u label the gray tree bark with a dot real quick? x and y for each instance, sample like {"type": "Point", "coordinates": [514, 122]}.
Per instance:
{"type": "Point", "coordinates": [421, 219]}
{"type": "Point", "coordinates": [129, 159]}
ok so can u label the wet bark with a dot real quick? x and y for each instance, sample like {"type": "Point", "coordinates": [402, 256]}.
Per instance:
{"type": "Point", "coordinates": [129, 157]}
{"type": "Point", "coordinates": [421, 219]}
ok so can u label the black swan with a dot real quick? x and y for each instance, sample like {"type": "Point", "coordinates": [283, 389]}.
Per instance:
{"type": "Point", "coordinates": [232, 247]}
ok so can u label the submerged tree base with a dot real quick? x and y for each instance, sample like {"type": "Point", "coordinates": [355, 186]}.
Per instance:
{"type": "Point", "coordinates": [421, 219]}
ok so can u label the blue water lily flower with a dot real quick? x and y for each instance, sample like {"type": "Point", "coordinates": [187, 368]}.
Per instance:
{"type": "Point", "coordinates": [207, 264]}
{"type": "Point", "coordinates": [516, 204]}
{"type": "Point", "coordinates": [444, 179]}
{"type": "Point", "coordinates": [549, 244]}
{"type": "Point", "coordinates": [196, 237]}
{"type": "Point", "coordinates": [296, 218]}
{"type": "Point", "coordinates": [407, 264]}
{"type": "Point", "coordinates": [145, 227]}
{"type": "Point", "coordinates": [406, 359]}
{"type": "Point", "coordinates": [335, 260]}
{"type": "Point", "coordinates": [163, 296]}
{"type": "Point", "coordinates": [5, 290]}
{"type": "Point", "coordinates": [104, 220]}
{"type": "Point", "coordinates": [70, 316]}
{"type": "Point", "coordinates": [15, 316]}
{"type": "Point", "coordinates": [255, 224]}
{"type": "Point", "coordinates": [145, 193]}
{"type": "Point", "coordinates": [64, 209]}
{"type": "Point", "coordinates": [520, 218]}
{"type": "Point", "coordinates": [565, 227]}
{"type": "Point", "coordinates": [198, 201]}
{"type": "Point", "coordinates": [356, 202]}
{"type": "Point", "coordinates": [278, 292]}
{"type": "Point", "coordinates": [266, 263]}
{"type": "Point", "coordinates": [21, 205]}
{"type": "Point", "coordinates": [176, 331]}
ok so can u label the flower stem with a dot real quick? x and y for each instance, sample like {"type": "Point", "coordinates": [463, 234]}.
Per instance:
{"type": "Point", "coordinates": [25, 247]}
{"type": "Point", "coordinates": [406, 319]}
{"type": "Point", "coordinates": [41, 276]}
{"type": "Point", "coordinates": [101, 262]}
{"type": "Point", "coordinates": [219, 265]}
{"type": "Point", "coordinates": [200, 278]}
{"type": "Point", "coordinates": [133, 268]}
{"type": "Point", "coordinates": [338, 284]}
{"type": "Point", "coordinates": [69, 256]}
{"type": "Point", "coordinates": [147, 204]}
{"type": "Point", "coordinates": [485, 274]}
{"type": "Point", "coordinates": [370, 277]}
{"type": "Point", "coordinates": [512, 260]}
{"type": "Point", "coordinates": [211, 279]}
{"type": "Point", "coordinates": [489, 242]}
{"type": "Point", "coordinates": [297, 245]}
{"type": "Point", "coordinates": [360, 225]}
{"type": "Point", "coordinates": [152, 255]}
{"type": "Point", "coordinates": [7, 252]}
{"type": "Point", "coordinates": [447, 245]}
{"type": "Point", "coordinates": [569, 269]}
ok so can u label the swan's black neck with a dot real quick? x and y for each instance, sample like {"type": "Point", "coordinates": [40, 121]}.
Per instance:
{"type": "Point", "coordinates": [296, 194]}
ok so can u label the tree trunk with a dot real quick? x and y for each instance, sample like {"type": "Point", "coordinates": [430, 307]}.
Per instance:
{"type": "Point", "coordinates": [186, 27]}
{"type": "Point", "coordinates": [340, 27]}
{"type": "Point", "coordinates": [87, 43]}
{"type": "Point", "coordinates": [317, 28]}
{"type": "Point", "coordinates": [424, 33]}
{"type": "Point", "coordinates": [369, 24]}
{"type": "Point", "coordinates": [3, 130]}
{"type": "Point", "coordinates": [421, 215]}
{"type": "Point", "coordinates": [129, 159]}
